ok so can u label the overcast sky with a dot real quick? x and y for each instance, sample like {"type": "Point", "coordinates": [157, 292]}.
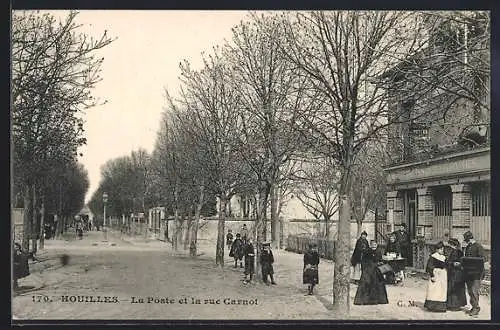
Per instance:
{"type": "Point", "coordinates": [137, 66]}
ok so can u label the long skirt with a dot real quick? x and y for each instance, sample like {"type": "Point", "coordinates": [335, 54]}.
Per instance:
{"type": "Point", "coordinates": [371, 288]}
{"type": "Point", "coordinates": [249, 265]}
{"type": "Point", "coordinates": [456, 298]}
{"type": "Point", "coordinates": [310, 276]}
{"type": "Point", "coordinates": [435, 299]}
{"type": "Point", "coordinates": [356, 272]}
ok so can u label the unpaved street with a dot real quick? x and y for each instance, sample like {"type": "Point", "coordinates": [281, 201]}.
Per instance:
{"type": "Point", "coordinates": [175, 286]}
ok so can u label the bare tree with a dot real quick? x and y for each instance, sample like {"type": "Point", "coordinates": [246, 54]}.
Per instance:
{"type": "Point", "coordinates": [315, 185]}
{"type": "Point", "coordinates": [271, 93]}
{"type": "Point", "coordinates": [211, 104]}
{"type": "Point", "coordinates": [53, 71]}
{"type": "Point", "coordinates": [368, 190]}
{"type": "Point", "coordinates": [343, 54]}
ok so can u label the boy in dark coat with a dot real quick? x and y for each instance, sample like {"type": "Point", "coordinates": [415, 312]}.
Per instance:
{"type": "Point", "coordinates": [266, 263]}
{"type": "Point", "coordinates": [249, 252]}
{"type": "Point", "coordinates": [237, 251]}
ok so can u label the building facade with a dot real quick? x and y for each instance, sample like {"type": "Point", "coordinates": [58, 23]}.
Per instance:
{"type": "Point", "coordinates": [439, 179]}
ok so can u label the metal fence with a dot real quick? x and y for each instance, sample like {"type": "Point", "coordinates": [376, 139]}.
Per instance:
{"type": "Point", "coordinates": [299, 244]}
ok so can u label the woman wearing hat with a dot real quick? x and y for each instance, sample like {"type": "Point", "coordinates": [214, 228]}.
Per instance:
{"type": "Point", "coordinates": [310, 272]}
{"type": "Point", "coordinates": [361, 245]}
{"type": "Point", "coordinates": [437, 288]}
{"type": "Point", "coordinates": [456, 298]}
{"type": "Point", "coordinates": [371, 288]}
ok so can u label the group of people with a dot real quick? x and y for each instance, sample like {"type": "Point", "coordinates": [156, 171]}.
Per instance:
{"type": "Point", "coordinates": [450, 276]}
{"type": "Point", "coordinates": [452, 271]}
{"type": "Point", "coordinates": [398, 244]}
{"type": "Point", "coordinates": [242, 248]}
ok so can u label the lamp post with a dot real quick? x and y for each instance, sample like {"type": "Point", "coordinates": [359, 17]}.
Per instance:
{"type": "Point", "coordinates": [105, 200]}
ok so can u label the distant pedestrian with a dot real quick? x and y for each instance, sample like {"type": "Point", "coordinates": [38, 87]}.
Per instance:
{"type": "Point", "coordinates": [310, 274]}
{"type": "Point", "coordinates": [435, 300]}
{"type": "Point", "coordinates": [456, 298]}
{"type": "Point", "coordinates": [236, 251]}
{"type": "Point", "coordinates": [266, 263]}
{"type": "Point", "coordinates": [371, 288]}
{"type": "Point", "coordinates": [249, 251]}
{"type": "Point", "coordinates": [361, 246]}
{"type": "Point", "coordinates": [229, 238]}
{"type": "Point", "coordinates": [473, 278]}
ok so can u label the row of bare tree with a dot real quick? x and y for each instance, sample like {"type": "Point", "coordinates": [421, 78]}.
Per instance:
{"type": "Point", "coordinates": [54, 67]}
{"type": "Point", "coordinates": [303, 101]}
{"type": "Point", "coordinates": [294, 86]}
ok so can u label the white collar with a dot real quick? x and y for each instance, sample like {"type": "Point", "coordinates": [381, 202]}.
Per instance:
{"type": "Point", "coordinates": [438, 256]}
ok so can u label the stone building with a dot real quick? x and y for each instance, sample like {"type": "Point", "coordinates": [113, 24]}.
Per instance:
{"type": "Point", "coordinates": [439, 180]}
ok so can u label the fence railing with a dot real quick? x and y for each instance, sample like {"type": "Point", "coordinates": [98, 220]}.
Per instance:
{"type": "Point", "coordinates": [300, 244]}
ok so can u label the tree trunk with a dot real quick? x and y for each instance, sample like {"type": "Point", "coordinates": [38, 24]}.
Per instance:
{"type": "Point", "coordinates": [261, 223]}
{"type": "Point", "coordinates": [42, 225]}
{"type": "Point", "coordinates": [194, 235]}
{"type": "Point", "coordinates": [275, 225]}
{"type": "Point", "coordinates": [219, 252]}
{"type": "Point", "coordinates": [327, 227]}
{"type": "Point", "coordinates": [176, 217]}
{"type": "Point", "coordinates": [27, 219]}
{"type": "Point", "coordinates": [34, 225]}
{"type": "Point", "coordinates": [341, 278]}
{"type": "Point", "coordinates": [178, 231]}
{"type": "Point", "coordinates": [187, 231]}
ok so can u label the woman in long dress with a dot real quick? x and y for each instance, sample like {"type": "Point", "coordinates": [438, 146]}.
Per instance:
{"type": "Point", "coordinates": [456, 298]}
{"type": "Point", "coordinates": [436, 296]}
{"type": "Point", "coordinates": [361, 245]}
{"type": "Point", "coordinates": [310, 271]}
{"type": "Point", "coordinates": [371, 288]}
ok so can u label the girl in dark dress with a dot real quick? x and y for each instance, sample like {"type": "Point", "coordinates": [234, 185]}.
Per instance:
{"type": "Point", "coordinates": [436, 296]}
{"type": "Point", "coordinates": [456, 298]}
{"type": "Point", "coordinates": [371, 288]}
{"type": "Point", "coordinates": [310, 274]}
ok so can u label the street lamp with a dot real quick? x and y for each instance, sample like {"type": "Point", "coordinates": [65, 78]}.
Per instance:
{"type": "Point", "coordinates": [105, 200]}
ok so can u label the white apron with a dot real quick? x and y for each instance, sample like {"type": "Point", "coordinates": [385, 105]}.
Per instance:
{"type": "Point", "coordinates": [437, 290]}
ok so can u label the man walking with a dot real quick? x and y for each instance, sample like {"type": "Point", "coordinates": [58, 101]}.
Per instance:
{"type": "Point", "coordinates": [473, 280]}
